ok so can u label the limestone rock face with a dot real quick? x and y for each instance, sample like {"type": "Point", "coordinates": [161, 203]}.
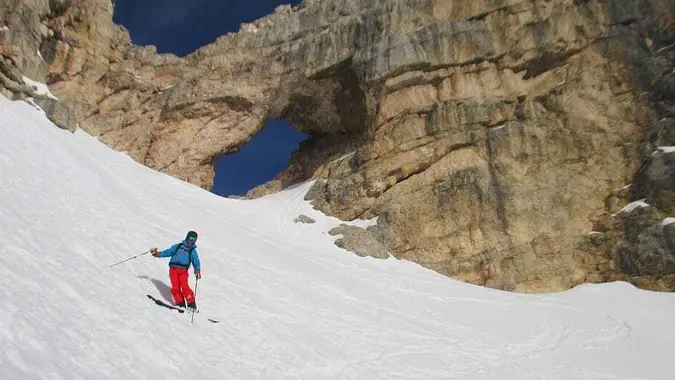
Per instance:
{"type": "Point", "coordinates": [640, 243]}
{"type": "Point", "coordinates": [22, 31]}
{"type": "Point", "coordinates": [490, 137]}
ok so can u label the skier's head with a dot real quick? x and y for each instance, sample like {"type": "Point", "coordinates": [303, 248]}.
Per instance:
{"type": "Point", "coordinates": [191, 237]}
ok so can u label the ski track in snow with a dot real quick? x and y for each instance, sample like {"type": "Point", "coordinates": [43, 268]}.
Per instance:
{"type": "Point", "coordinates": [291, 305]}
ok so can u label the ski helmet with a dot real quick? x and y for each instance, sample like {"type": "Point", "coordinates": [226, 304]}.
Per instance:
{"type": "Point", "coordinates": [191, 235]}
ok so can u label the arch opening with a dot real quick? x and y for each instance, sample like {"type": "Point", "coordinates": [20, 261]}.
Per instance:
{"type": "Point", "coordinates": [259, 161]}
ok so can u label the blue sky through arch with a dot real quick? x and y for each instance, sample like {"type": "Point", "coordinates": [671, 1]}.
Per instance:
{"type": "Point", "coordinates": [257, 162]}
{"type": "Point", "coordinates": [182, 26]}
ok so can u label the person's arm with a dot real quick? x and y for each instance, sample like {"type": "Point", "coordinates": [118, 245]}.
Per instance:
{"type": "Point", "coordinates": [165, 253]}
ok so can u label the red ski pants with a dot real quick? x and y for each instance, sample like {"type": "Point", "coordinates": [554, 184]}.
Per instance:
{"type": "Point", "coordinates": [180, 289]}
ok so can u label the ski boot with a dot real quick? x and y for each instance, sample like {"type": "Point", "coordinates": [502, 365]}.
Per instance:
{"type": "Point", "coordinates": [192, 307]}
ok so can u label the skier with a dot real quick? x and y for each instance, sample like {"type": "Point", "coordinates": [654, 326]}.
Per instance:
{"type": "Point", "coordinates": [182, 255]}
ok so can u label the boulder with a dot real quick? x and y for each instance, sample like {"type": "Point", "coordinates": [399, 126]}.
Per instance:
{"type": "Point", "coordinates": [58, 113]}
{"type": "Point", "coordinates": [302, 218]}
{"type": "Point", "coordinates": [360, 241]}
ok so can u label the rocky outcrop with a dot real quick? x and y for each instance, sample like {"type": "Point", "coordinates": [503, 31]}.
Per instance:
{"type": "Point", "coordinates": [486, 135]}
{"type": "Point", "coordinates": [58, 113]}
{"type": "Point", "coordinates": [634, 242]}
{"type": "Point", "coordinates": [360, 241]}
{"type": "Point", "coordinates": [639, 241]}
{"type": "Point", "coordinates": [302, 218]}
{"type": "Point", "coordinates": [22, 30]}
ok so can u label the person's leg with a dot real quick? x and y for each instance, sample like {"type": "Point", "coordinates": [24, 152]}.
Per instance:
{"type": "Point", "coordinates": [174, 275]}
{"type": "Point", "coordinates": [187, 293]}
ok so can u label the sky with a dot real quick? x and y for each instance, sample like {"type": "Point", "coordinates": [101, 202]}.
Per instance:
{"type": "Point", "coordinates": [182, 26]}
{"type": "Point", "coordinates": [291, 304]}
{"type": "Point", "coordinates": [258, 161]}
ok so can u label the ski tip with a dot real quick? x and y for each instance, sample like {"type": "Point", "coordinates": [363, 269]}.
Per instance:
{"type": "Point", "coordinates": [213, 320]}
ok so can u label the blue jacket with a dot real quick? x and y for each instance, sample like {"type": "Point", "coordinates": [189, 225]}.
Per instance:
{"type": "Point", "coordinates": [180, 257]}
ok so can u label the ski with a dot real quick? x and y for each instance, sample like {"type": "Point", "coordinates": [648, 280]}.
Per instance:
{"type": "Point", "coordinates": [178, 309]}
{"type": "Point", "coordinates": [166, 305]}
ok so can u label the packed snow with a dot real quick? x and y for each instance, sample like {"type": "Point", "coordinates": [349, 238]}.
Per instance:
{"type": "Point", "coordinates": [667, 221]}
{"type": "Point", "coordinates": [343, 156]}
{"type": "Point", "coordinates": [634, 205]}
{"type": "Point", "coordinates": [42, 88]}
{"type": "Point", "coordinates": [291, 305]}
{"type": "Point", "coordinates": [664, 149]}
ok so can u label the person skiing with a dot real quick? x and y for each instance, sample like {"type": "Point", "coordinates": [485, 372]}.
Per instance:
{"type": "Point", "coordinates": [182, 255]}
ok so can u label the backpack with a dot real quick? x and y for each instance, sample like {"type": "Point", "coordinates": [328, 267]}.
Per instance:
{"type": "Point", "coordinates": [180, 245]}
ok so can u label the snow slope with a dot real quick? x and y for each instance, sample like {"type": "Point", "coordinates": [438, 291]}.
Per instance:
{"type": "Point", "coordinates": [291, 305]}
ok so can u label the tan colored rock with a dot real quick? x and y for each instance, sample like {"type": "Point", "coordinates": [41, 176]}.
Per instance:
{"type": "Point", "coordinates": [490, 137]}
{"type": "Point", "coordinates": [413, 98]}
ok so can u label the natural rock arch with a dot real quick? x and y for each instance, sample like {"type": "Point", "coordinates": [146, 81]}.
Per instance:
{"type": "Point", "coordinates": [486, 135]}
{"type": "Point", "coordinates": [330, 103]}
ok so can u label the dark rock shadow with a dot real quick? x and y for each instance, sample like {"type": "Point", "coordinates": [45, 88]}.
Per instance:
{"type": "Point", "coordinates": [164, 289]}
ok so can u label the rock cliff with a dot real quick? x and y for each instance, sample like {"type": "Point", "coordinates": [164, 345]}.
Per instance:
{"type": "Point", "coordinates": [489, 137]}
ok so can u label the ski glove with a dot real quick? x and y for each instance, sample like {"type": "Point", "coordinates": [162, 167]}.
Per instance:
{"type": "Point", "coordinates": [198, 274]}
{"type": "Point", "coordinates": [154, 252]}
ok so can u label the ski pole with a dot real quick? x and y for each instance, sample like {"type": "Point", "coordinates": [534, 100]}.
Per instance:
{"type": "Point", "coordinates": [131, 258]}
{"type": "Point", "coordinates": [192, 319]}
